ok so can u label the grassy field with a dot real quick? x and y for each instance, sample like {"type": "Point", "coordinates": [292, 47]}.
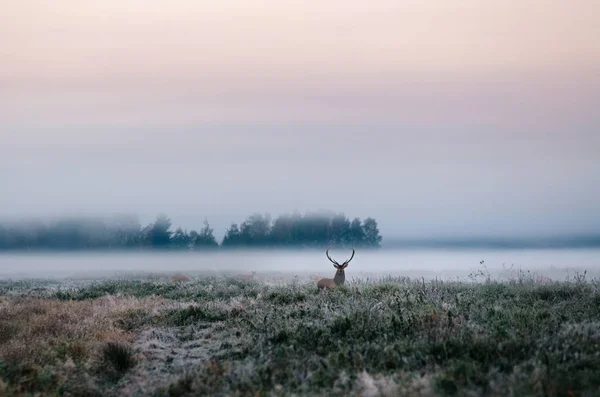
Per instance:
{"type": "Point", "coordinates": [227, 336]}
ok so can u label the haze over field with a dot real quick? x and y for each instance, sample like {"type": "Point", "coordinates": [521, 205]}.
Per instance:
{"type": "Point", "coordinates": [277, 266]}
{"type": "Point", "coordinates": [438, 118]}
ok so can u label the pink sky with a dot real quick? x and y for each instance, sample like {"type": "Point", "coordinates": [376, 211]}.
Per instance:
{"type": "Point", "coordinates": [474, 100]}
{"type": "Point", "coordinates": [125, 61]}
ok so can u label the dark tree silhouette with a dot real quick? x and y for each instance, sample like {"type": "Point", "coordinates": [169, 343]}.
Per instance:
{"type": "Point", "coordinates": [255, 230]}
{"type": "Point", "coordinates": [357, 233]}
{"type": "Point", "coordinates": [232, 236]}
{"type": "Point", "coordinates": [282, 231]}
{"type": "Point", "coordinates": [312, 229]}
{"type": "Point", "coordinates": [125, 232]}
{"type": "Point", "coordinates": [159, 234]}
{"type": "Point", "coordinates": [340, 230]}
{"type": "Point", "coordinates": [181, 239]}
{"type": "Point", "coordinates": [206, 237]}
{"type": "Point", "coordinates": [4, 243]}
{"type": "Point", "coordinates": [372, 237]}
{"type": "Point", "coordinates": [125, 229]}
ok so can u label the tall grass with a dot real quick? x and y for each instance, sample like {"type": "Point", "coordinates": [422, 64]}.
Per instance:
{"type": "Point", "coordinates": [224, 336]}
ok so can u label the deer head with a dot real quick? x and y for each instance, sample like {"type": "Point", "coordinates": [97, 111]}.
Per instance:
{"type": "Point", "coordinates": [340, 275]}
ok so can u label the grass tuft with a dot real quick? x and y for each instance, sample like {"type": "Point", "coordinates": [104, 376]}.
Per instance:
{"type": "Point", "coordinates": [118, 357]}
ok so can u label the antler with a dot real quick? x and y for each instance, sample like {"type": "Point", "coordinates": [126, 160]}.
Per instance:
{"type": "Point", "coordinates": [328, 257]}
{"type": "Point", "coordinates": [348, 261]}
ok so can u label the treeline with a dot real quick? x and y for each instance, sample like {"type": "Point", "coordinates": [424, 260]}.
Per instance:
{"type": "Point", "coordinates": [315, 229]}
{"type": "Point", "coordinates": [126, 232]}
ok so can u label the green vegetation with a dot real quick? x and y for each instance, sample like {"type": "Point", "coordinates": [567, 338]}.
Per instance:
{"type": "Point", "coordinates": [227, 336]}
{"type": "Point", "coordinates": [125, 232]}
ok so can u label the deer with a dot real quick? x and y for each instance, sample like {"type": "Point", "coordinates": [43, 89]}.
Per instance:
{"type": "Point", "coordinates": [340, 275]}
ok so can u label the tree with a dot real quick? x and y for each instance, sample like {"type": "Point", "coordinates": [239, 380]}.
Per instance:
{"type": "Point", "coordinates": [299, 230]}
{"type": "Point", "coordinates": [372, 237]}
{"type": "Point", "coordinates": [64, 234]}
{"type": "Point", "coordinates": [314, 229]}
{"type": "Point", "coordinates": [206, 237]}
{"type": "Point", "coordinates": [126, 230]}
{"type": "Point", "coordinates": [3, 238]}
{"type": "Point", "coordinates": [357, 233]}
{"type": "Point", "coordinates": [282, 230]}
{"type": "Point", "coordinates": [232, 236]}
{"type": "Point", "coordinates": [159, 234]}
{"type": "Point", "coordinates": [340, 230]}
{"type": "Point", "coordinates": [255, 230]}
{"type": "Point", "coordinates": [180, 239]}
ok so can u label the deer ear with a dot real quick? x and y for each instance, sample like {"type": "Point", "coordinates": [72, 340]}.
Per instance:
{"type": "Point", "coordinates": [345, 265]}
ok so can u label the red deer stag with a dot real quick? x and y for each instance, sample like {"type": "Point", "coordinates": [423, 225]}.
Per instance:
{"type": "Point", "coordinates": [340, 275]}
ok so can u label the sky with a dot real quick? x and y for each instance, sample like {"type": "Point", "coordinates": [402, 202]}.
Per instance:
{"type": "Point", "coordinates": [442, 118]}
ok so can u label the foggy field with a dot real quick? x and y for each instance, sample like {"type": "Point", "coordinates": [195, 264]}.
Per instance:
{"type": "Point", "coordinates": [180, 334]}
{"type": "Point", "coordinates": [557, 264]}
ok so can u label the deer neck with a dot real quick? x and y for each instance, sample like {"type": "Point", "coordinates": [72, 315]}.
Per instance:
{"type": "Point", "coordinates": [340, 277]}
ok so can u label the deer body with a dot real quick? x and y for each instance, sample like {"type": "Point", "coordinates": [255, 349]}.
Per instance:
{"type": "Point", "coordinates": [340, 275]}
{"type": "Point", "coordinates": [338, 279]}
